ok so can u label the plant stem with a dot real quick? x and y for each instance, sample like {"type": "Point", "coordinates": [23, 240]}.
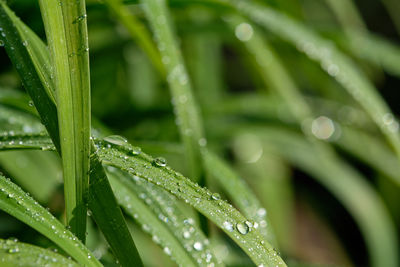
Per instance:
{"type": "Point", "coordinates": [66, 32]}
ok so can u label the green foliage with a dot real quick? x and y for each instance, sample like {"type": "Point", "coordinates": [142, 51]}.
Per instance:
{"type": "Point", "coordinates": [271, 106]}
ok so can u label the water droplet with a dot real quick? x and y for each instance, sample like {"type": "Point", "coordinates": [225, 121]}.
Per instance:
{"type": "Point", "coordinates": [13, 250]}
{"type": "Point", "coordinates": [228, 226]}
{"type": "Point", "coordinates": [249, 224]}
{"type": "Point", "coordinates": [198, 246]}
{"type": "Point", "coordinates": [189, 221]}
{"type": "Point", "coordinates": [167, 250]}
{"type": "Point", "coordinates": [390, 122]}
{"type": "Point", "coordinates": [79, 19]}
{"type": "Point", "coordinates": [242, 228]}
{"type": "Point", "coordinates": [261, 212]}
{"type": "Point", "coordinates": [135, 150]}
{"type": "Point", "coordinates": [244, 32]}
{"type": "Point", "coordinates": [322, 127]}
{"type": "Point", "coordinates": [186, 234]}
{"type": "Point", "coordinates": [215, 196]}
{"type": "Point", "coordinates": [1, 43]}
{"type": "Point", "coordinates": [160, 162]}
{"type": "Point", "coordinates": [202, 142]}
{"type": "Point", "coordinates": [30, 103]}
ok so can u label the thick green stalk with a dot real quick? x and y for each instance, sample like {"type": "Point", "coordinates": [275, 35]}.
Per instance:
{"type": "Point", "coordinates": [66, 32]}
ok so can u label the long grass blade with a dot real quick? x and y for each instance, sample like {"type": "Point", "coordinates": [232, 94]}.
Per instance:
{"type": "Point", "coordinates": [26, 67]}
{"type": "Point", "coordinates": [185, 107]}
{"type": "Point", "coordinates": [20, 205]}
{"type": "Point", "coordinates": [332, 61]}
{"type": "Point", "coordinates": [43, 168]}
{"type": "Point", "coordinates": [247, 202]}
{"type": "Point", "coordinates": [14, 253]}
{"type": "Point", "coordinates": [347, 14]}
{"type": "Point", "coordinates": [138, 31]}
{"type": "Point", "coordinates": [344, 182]}
{"type": "Point", "coordinates": [160, 216]}
{"type": "Point", "coordinates": [374, 49]}
{"type": "Point", "coordinates": [244, 232]}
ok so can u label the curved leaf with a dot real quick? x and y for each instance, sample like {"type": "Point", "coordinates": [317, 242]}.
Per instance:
{"type": "Point", "coordinates": [21, 206]}
{"type": "Point", "coordinates": [14, 253]}
{"type": "Point", "coordinates": [332, 61]}
{"type": "Point", "coordinates": [243, 231]}
{"type": "Point", "coordinates": [160, 216]}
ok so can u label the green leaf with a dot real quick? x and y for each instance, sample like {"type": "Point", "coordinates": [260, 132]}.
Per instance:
{"type": "Point", "coordinates": [244, 232]}
{"type": "Point", "coordinates": [66, 33]}
{"type": "Point", "coordinates": [345, 183]}
{"type": "Point", "coordinates": [347, 14]}
{"type": "Point", "coordinates": [185, 107]}
{"type": "Point", "coordinates": [332, 61]}
{"type": "Point", "coordinates": [103, 205]}
{"type": "Point", "coordinates": [138, 32]}
{"type": "Point", "coordinates": [240, 193]}
{"type": "Point", "coordinates": [43, 168]}
{"type": "Point", "coordinates": [374, 49]}
{"type": "Point", "coordinates": [14, 253]}
{"type": "Point", "coordinates": [161, 217]}
{"type": "Point", "coordinates": [108, 216]}
{"type": "Point", "coordinates": [371, 151]}
{"type": "Point", "coordinates": [20, 205]}
{"type": "Point", "coordinates": [26, 67]}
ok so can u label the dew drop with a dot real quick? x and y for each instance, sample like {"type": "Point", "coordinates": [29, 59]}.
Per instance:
{"type": "Point", "coordinates": [322, 127]}
{"type": "Point", "coordinates": [244, 32]}
{"type": "Point", "coordinates": [79, 19]}
{"type": "Point", "coordinates": [215, 196]}
{"type": "Point", "coordinates": [249, 224]}
{"type": "Point", "coordinates": [228, 226]}
{"type": "Point", "coordinates": [167, 250]}
{"type": "Point", "coordinates": [242, 228]}
{"type": "Point", "coordinates": [13, 250]}
{"type": "Point", "coordinates": [186, 234]}
{"type": "Point", "coordinates": [160, 162]}
{"type": "Point", "coordinates": [1, 43]}
{"type": "Point", "coordinates": [135, 150]}
{"type": "Point", "coordinates": [202, 142]}
{"type": "Point", "coordinates": [198, 246]}
{"type": "Point", "coordinates": [261, 212]}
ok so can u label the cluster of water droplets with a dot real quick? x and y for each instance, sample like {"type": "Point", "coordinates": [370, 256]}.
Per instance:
{"type": "Point", "coordinates": [145, 167]}
{"type": "Point", "coordinates": [18, 121]}
{"type": "Point", "coordinates": [32, 213]}
{"type": "Point", "coordinates": [165, 207]}
{"type": "Point", "coordinates": [30, 254]}
{"type": "Point", "coordinates": [14, 140]}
